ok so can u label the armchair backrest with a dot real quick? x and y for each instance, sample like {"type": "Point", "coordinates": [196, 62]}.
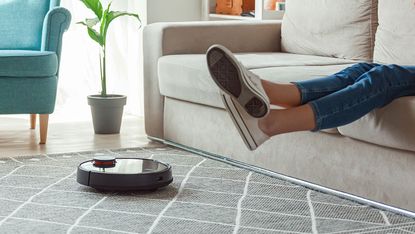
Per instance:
{"type": "Point", "coordinates": [21, 23]}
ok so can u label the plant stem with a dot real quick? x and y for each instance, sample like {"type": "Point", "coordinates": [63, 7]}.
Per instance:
{"type": "Point", "coordinates": [103, 72]}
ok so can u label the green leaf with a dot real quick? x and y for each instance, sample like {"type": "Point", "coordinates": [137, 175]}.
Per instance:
{"type": "Point", "coordinates": [104, 23]}
{"type": "Point", "coordinates": [95, 6]}
{"type": "Point", "coordinates": [115, 14]}
{"type": "Point", "coordinates": [90, 22]}
{"type": "Point", "coordinates": [94, 35]}
{"type": "Point", "coordinates": [112, 15]}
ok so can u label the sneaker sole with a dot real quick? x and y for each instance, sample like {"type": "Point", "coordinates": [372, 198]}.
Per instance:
{"type": "Point", "coordinates": [229, 78]}
{"type": "Point", "coordinates": [239, 123]}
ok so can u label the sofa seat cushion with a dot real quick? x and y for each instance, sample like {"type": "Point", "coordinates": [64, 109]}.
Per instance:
{"type": "Point", "coordinates": [392, 126]}
{"type": "Point", "coordinates": [186, 77]}
{"type": "Point", "coordinates": [27, 63]}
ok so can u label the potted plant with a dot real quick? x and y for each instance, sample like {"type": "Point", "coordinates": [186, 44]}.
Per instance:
{"type": "Point", "coordinates": [106, 109]}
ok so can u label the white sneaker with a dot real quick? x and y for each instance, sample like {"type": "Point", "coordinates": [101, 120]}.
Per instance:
{"type": "Point", "coordinates": [247, 125]}
{"type": "Point", "coordinates": [235, 80]}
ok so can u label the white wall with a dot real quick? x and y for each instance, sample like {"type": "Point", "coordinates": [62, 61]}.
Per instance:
{"type": "Point", "coordinates": [173, 10]}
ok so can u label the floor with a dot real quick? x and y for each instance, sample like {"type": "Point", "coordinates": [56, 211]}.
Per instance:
{"type": "Point", "coordinates": [16, 139]}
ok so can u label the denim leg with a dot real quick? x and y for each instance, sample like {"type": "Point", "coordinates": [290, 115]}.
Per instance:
{"type": "Point", "coordinates": [317, 88]}
{"type": "Point", "coordinates": [374, 89]}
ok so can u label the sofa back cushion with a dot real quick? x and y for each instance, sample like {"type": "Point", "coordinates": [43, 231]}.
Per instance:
{"type": "Point", "coordinates": [21, 23]}
{"type": "Point", "coordinates": [334, 28]}
{"type": "Point", "coordinates": [395, 38]}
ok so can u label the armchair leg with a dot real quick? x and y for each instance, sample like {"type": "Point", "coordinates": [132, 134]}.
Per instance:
{"type": "Point", "coordinates": [32, 121]}
{"type": "Point", "coordinates": [43, 122]}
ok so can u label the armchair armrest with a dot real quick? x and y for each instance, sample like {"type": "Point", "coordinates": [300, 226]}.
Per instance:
{"type": "Point", "coordinates": [55, 24]}
{"type": "Point", "coordinates": [162, 39]}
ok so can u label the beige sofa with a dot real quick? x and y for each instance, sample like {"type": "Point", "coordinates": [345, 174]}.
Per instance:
{"type": "Point", "coordinates": [373, 157]}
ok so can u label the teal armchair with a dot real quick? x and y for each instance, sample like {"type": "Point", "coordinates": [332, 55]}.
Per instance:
{"type": "Point", "coordinates": [30, 47]}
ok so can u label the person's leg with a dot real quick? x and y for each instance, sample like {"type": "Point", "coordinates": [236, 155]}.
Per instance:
{"type": "Point", "coordinates": [373, 89]}
{"type": "Point", "coordinates": [294, 119]}
{"type": "Point", "coordinates": [297, 93]}
{"type": "Point", "coordinates": [284, 95]}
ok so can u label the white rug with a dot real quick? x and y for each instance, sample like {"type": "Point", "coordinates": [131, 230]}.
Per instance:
{"type": "Point", "coordinates": [40, 194]}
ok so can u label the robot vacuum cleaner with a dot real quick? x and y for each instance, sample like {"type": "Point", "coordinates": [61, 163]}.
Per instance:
{"type": "Point", "coordinates": [124, 174]}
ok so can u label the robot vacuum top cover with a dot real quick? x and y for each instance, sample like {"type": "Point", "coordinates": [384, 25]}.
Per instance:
{"type": "Point", "coordinates": [124, 174]}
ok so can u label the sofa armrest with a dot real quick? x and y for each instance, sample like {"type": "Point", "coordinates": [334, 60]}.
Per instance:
{"type": "Point", "coordinates": [162, 39]}
{"type": "Point", "coordinates": [55, 24]}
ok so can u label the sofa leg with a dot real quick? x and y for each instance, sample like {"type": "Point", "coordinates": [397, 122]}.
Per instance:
{"type": "Point", "coordinates": [43, 122]}
{"type": "Point", "coordinates": [32, 121]}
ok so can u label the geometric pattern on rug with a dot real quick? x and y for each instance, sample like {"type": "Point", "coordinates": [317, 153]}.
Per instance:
{"type": "Point", "coordinates": [39, 194]}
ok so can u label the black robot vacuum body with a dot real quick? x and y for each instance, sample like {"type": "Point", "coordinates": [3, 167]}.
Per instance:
{"type": "Point", "coordinates": [124, 174]}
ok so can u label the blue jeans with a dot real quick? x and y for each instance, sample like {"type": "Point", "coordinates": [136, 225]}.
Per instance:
{"type": "Point", "coordinates": [346, 96]}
